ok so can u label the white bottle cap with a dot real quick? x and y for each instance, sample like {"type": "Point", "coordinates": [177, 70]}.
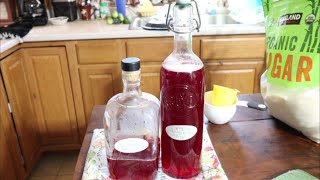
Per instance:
{"type": "Point", "coordinates": [183, 1]}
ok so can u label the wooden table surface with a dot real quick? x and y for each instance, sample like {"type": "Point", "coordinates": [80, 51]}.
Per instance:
{"type": "Point", "coordinates": [253, 145]}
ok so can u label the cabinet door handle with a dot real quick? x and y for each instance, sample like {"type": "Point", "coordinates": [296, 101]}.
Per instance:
{"type": "Point", "coordinates": [221, 63]}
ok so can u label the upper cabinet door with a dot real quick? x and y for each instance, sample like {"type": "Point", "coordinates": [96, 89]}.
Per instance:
{"type": "Point", "coordinates": [11, 166]}
{"type": "Point", "coordinates": [50, 86]}
{"type": "Point", "coordinates": [18, 89]}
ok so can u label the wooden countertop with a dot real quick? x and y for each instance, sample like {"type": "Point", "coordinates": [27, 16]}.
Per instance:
{"type": "Point", "coordinates": [253, 145]}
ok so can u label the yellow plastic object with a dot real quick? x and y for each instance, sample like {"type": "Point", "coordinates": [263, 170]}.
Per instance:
{"type": "Point", "coordinates": [223, 96]}
{"type": "Point", "coordinates": [218, 114]}
{"type": "Point", "coordinates": [209, 96]}
{"type": "Point", "coordinates": [147, 9]}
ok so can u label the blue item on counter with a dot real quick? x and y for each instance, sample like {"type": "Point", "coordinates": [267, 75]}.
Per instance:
{"type": "Point", "coordinates": [121, 6]}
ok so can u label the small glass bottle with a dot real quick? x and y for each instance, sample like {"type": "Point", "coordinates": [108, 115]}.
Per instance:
{"type": "Point", "coordinates": [182, 99]}
{"type": "Point", "coordinates": [104, 9]}
{"type": "Point", "coordinates": [131, 123]}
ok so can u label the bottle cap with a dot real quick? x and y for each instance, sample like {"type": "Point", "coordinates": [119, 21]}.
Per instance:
{"type": "Point", "coordinates": [130, 64]}
{"type": "Point", "coordinates": [103, 4]}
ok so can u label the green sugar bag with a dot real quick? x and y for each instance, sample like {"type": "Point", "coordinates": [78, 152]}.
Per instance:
{"type": "Point", "coordinates": [290, 85]}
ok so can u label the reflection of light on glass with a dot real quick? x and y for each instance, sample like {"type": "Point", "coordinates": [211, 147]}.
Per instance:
{"type": "Point", "coordinates": [38, 3]}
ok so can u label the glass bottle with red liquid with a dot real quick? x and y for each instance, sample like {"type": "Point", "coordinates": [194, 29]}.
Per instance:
{"type": "Point", "coordinates": [182, 99]}
{"type": "Point", "coordinates": [131, 123]}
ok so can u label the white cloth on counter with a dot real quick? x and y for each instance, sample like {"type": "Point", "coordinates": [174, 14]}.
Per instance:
{"type": "Point", "coordinates": [96, 166]}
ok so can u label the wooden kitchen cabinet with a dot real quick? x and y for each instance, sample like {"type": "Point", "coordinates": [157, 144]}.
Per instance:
{"type": "Point", "coordinates": [241, 75]}
{"type": "Point", "coordinates": [39, 89]}
{"type": "Point", "coordinates": [236, 61]}
{"type": "Point", "coordinates": [100, 51]}
{"type": "Point", "coordinates": [249, 47]}
{"type": "Point", "coordinates": [152, 52]}
{"type": "Point", "coordinates": [20, 97]}
{"type": "Point", "coordinates": [51, 92]}
{"type": "Point", "coordinates": [96, 74]}
{"type": "Point", "coordinates": [150, 78]}
{"type": "Point", "coordinates": [7, 165]}
{"type": "Point", "coordinates": [37, 82]}
{"type": "Point", "coordinates": [149, 49]}
{"type": "Point", "coordinates": [11, 166]}
{"type": "Point", "coordinates": [99, 83]}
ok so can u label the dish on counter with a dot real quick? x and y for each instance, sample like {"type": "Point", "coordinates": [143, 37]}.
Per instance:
{"type": "Point", "coordinates": [154, 23]}
{"type": "Point", "coordinates": [61, 20]}
{"type": "Point", "coordinates": [150, 26]}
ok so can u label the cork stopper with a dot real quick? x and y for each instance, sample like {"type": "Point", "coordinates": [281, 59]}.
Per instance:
{"type": "Point", "coordinates": [131, 76]}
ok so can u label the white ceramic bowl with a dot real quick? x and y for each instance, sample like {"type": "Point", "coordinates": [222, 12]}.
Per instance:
{"type": "Point", "coordinates": [218, 114]}
{"type": "Point", "coordinates": [61, 20]}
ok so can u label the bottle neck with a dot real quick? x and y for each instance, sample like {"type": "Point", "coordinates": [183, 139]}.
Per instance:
{"type": "Point", "coordinates": [182, 25]}
{"type": "Point", "coordinates": [182, 42]}
{"type": "Point", "coordinates": [131, 82]}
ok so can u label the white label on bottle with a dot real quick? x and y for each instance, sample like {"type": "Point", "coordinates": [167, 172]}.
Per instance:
{"type": "Point", "coordinates": [131, 145]}
{"type": "Point", "coordinates": [181, 132]}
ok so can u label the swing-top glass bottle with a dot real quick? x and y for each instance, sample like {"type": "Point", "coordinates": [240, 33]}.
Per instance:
{"type": "Point", "coordinates": [182, 98]}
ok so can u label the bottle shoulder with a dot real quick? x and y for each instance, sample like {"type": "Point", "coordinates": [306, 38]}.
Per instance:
{"type": "Point", "coordinates": [188, 58]}
{"type": "Point", "coordinates": [183, 62]}
{"type": "Point", "coordinates": [122, 100]}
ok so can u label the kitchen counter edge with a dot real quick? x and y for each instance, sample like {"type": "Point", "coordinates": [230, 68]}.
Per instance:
{"type": "Point", "coordinates": [85, 30]}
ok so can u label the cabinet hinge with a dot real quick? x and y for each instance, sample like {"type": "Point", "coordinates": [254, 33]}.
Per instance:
{"type": "Point", "coordinates": [9, 107]}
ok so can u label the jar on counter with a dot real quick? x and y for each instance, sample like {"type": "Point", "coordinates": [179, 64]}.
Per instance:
{"type": "Point", "coordinates": [104, 10]}
{"type": "Point", "coordinates": [86, 11]}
